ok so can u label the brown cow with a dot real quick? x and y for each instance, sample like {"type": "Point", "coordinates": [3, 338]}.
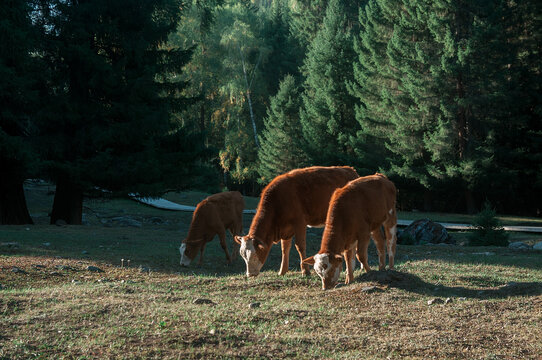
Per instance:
{"type": "Point", "coordinates": [287, 205]}
{"type": "Point", "coordinates": [356, 212]}
{"type": "Point", "coordinates": [213, 216]}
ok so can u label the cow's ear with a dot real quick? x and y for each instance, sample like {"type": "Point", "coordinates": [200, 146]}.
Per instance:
{"type": "Point", "coordinates": [238, 239]}
{"type": "Point", "coordinates": [309, 261]}
{"type": "Point", "coordinates": [337, 259]}
{"type": "Point", "coordinates": [258, 244]}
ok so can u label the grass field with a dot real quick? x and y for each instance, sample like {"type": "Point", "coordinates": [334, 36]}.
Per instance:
{"type": "Point", "coordinates": [53, 307]}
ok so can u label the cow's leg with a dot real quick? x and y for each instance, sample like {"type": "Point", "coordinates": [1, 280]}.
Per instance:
{"type": "Point", "coordinates": [363, 244]}
{"type": "Point", "coordinates": [237, 231]}
{"type": "Point", "coordinates": [380, 247]}
{"type": "Point", "coordinates": [301, 246]}
{"type": "Point", "coordinates": [285, 245]}
{"type": "Point", "coordinates": [235, 245]}
{"type": "Point", "coordinates": [202, 248]}
{"type": "Point", "coordinates": [222, 237]}
{"type": "Point", "coordinates": [350, 265]}
{"type": "Point", "coordinates": [391, 241]}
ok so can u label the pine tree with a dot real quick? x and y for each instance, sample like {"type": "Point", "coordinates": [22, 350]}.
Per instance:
{"type": "Point", "coordinates": [18, 100]}
{"type": "Point", "coordinates": [285, 55]}
{"type": "Point", "coordinates": [327, 117]}
{"type": "Point", "coordinates": [517, 141]}
{"type": "Point", "coordinates": [435, 97]}
{"type": "Point", "coordinates": [373, 77]}
{"type": "Point", "coordinates": [307, 19]}
{"type": "Point", "coordinates": [109, 121]}
{"type": "Point", "coordinates": [281, 141]}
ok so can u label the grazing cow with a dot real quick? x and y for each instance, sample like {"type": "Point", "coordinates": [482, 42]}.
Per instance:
{"type": "Point", "coordinates": [356, 212]}
{"type": "Point", "coordinates": [287, 205]}
{"type": "Point", "coordinates": [213, 216]}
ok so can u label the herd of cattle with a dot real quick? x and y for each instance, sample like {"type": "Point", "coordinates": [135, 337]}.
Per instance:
{"type": "Point", "coordinates": [351, 208]}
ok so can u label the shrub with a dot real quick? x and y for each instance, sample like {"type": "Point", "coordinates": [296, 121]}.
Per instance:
{"type": "Point", "coordinates": [488, 230]}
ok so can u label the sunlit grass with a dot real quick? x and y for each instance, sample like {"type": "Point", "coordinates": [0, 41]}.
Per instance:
{"type": "Point", "coordinates": [55, 312]}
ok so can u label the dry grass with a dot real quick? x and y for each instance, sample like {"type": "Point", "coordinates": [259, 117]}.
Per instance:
{"type": "Point", "coordinates": [54, 312]}
{"type": "Point", "coordinates": [57, 309]}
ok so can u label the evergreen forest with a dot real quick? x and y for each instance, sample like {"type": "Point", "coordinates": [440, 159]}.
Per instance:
{"type": "Point", "coordinates": [119, 97]}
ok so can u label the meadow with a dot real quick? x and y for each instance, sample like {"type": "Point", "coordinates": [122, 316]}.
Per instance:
{"type": "Point", "coordinates": [441, 302]}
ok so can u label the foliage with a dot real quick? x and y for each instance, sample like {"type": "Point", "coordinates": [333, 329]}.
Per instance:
{"type": "Point", "coordinates": [236, 66]}
{"type": "Point", "coordinates": [282, 142]}
{"type": "Point", "coordinates": [443, 96]}
{"type": "Point", "coordinates": [19, 98]}
{"type": "Point", "coordinates": [434, 81]}
{"type": "Point", "coordinates": [113, 94]}
{"type": "Point", "coordinates": [286, 56]}
{"type": "Point", "coordinates": [488, 230]}
{"type": "Point", "coordinates": [307, 19]}
{"type": "Point", "coordinates": [327, 115]}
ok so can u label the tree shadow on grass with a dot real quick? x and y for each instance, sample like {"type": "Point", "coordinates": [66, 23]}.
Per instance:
{"type": "Point", "coordinates": [412, 283]}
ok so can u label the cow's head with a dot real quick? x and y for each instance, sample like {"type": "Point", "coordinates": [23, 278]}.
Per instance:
{"type": "Point", "coordinates": [189, 250]}
{"type": "Point", "coordinates": [254, 252]}
{"type": "Point", "coordinates": [328, 267]}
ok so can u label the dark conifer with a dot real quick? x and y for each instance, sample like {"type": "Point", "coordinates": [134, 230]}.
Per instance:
{"type": "Point", "coordinates": [282, 141]}
{"type": "Point", "coordinates": [18, 102]}
{"type": "Point", "coordinates": [109, 123]}
{"type": "Point", "coordinates": [435, 82]}
{"type": "Point", "coordinates": [327, 116]}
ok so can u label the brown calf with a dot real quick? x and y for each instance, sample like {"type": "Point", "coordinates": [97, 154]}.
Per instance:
{"type": "Point", "coordinates": [213, 216]}
{"type": "Point", "coordinates": [287, 205]}
{"type": "Point", "coordinates": [356, 212]}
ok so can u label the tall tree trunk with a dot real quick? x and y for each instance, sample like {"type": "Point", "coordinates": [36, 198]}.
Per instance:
{"type": "Point", "coordinates": [248, 87]}
{"type": "Point", "coordinates": [252, 119]}
{"type": "Point", "coordinates": [13, 209]}
{"type": "Point", "coordinates": [68, 203]}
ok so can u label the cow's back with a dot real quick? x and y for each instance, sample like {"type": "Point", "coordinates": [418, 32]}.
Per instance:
{"type": "Point", "coordinates": [215, 212]}
{"type": "Point", "coordinates": [303, 194]}
{"type": "Point", "coordinates": [368, 200]}
{"type": "Point", "coordinates": [228, 206]}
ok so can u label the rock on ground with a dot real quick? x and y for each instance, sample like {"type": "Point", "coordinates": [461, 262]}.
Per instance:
{"type": "Point", "coordinates": [203, 301]}
{"type": "Point", "coordinates": [424, 231]}
{"type": "Point", "coordinates": [94, 269]}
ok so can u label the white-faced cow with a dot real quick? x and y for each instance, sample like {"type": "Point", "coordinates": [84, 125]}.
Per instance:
{"type": "Point", "coordinates": [287, 205]}
{"type": "Point", "coordinates": [356, 212]}
{"type": "Point", "coordinates": [212, 217]}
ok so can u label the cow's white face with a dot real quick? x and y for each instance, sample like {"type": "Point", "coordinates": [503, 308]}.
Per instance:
{"type": "Point", "coordinates": [185, 261]}
{"type": "Point", "coordinates": [328, 268]}
{"type": "Point", "coordinates": [248, 253]}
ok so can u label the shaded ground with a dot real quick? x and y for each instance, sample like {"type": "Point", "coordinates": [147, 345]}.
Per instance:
{"type": "Point", "coordinates": [52, 306]}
